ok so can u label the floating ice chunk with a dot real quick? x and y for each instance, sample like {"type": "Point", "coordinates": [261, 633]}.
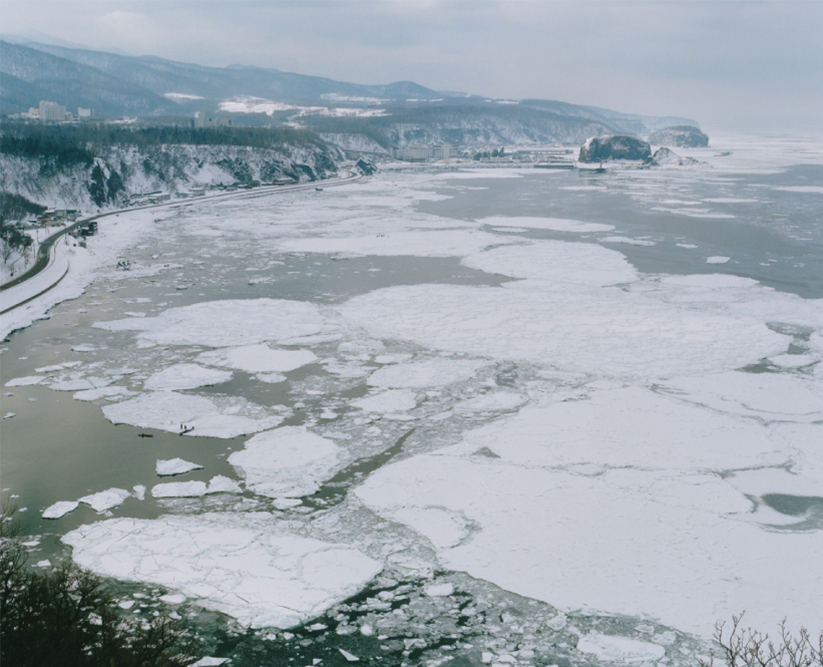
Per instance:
{"type": "Point", "coordinates": [688, 246]}
{"type": "Point", "coordinates": [85, 348]}
{"type": "Point", "coordinates": [394, 400]}
{"type": "Point", "coordinates": [392, 358]}
{"type": "Point", "coordinates": [217, 417]}
{"type": "Point", "coordinates": [429, 373]}
{"type": "Point", "coordinates": [626, 240]}
{"type": "Point", "coordinates": [26, 381]}
{"type": "Point", "coordinates": [769, 396]}
{"type": "Point", "coordinates": [109, 392]}
{"type": "Point", "coordinates": [186, 376]}
{"type": "Point", "coordinates": [288, 461]}
{"type": "Point", "coordinates": [79, 383]}
{"type": "Point", "coordinates": [179, 490]}
{"type": "Point", "coordinates": [9, 415]}
{"type": "Point", "coordinates": [175, 467]}
{"type": "Point", "coordinates": [447, 243]}
{"type": "Point", "coordinates": [717, 259]}
{"type": "Point", "coordinates": [139, 491]}
{"type": "Point", "coordinates": [105, 500]}
{"type": "Point", "coordinates": [358, 348]}
{"type": "Point", "coordinates": [44, 563]}
{"type": "Point", "coordinates": [258, 359]}
{"type": "Point", "coordinates": [60, 508]}
{"type": "Point", "coordinates": [553, 224]}
{"type": "Point", "coordinates": [271, 378]}
{"type": "Point", "coordinates": [225, 323]}
{"type": "Point", "coordinates": [620, 649]}
{"type": "Point", "coordinates": [173, 598]}
{"type": "Point", "coordinates": [350, 657]}
{"type": "Point", "coordinates": [618, 332]}
{"type": "Point", "coordinates": [495, 400]}
{"type": "Point", "coordinates": [240, 564]}
{"type": "Point", "coordinates": [223, 484]}
{"type": "Point", "coordinates": [557, 262]}
{"type": "Point", "coordinates": [49, 369]}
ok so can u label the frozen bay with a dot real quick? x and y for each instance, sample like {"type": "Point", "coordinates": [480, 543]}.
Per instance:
{"type": "Point", "coordinates": [454, 393]}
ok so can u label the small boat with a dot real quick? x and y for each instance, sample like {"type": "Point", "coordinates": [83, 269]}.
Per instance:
{"type": "Point", "coordinates": [145, 435]}
{"type": "Point", "coordinates": [188, 430]}
{"type": "Point", "coordinates": [319, 189]}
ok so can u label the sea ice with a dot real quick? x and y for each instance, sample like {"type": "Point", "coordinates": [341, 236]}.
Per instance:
{"type": "Point", "coordinates": [393, 400]}
{"type": "Point", "coordinates": [621, 649]}
{"type": "Point", "coordinates": [429, 373]}
{"type": "Point", "coordinates": [214, 417]}
{"type": "Point", "coordinates": [258, 359]}
{"type": "Point", "coordinates": [105, 500]}
{"type": "Point", "coordinates": [494, 400]}
{"type": "Point", "coordinates": [60, 508]}
{"type": "Point", "coordinates": [175, 467]}
{"type": "Point", "coordinates": [448, 243]}
{"type": "Point", "coordinates": [225, 323]}
{"type": "Point", "coordinates": [625, 239]}
{"type": "Point", "coordinates": [553, 224]}
{"type": "Point", "coordinates": [288, 461]}
{"type": "Point", "coordinates": [717, 259]}
{"type": "Point", "coordinates": [179, 490]}
{"type": "Point", "coordinates": [109, 392]}
{"type": "Point", "coordinates": [26, 381]}
{"type": "Point", "coordinates": [186, 376]}
{"type": "Point", "coordinates": [243, 565]}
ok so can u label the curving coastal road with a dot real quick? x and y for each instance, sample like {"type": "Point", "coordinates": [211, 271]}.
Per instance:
{"type": "Point", "coordinates": [45, 255]}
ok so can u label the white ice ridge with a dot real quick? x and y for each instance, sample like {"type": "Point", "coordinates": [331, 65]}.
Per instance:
{"type": "Point", "coordinates": [636, 509]}
{"type": "Point", "coordinates": [215, 417]}
{"type": "Point", "coordinates": [286, 462]}
{"type": "Point", "coordinates": [448, 243]}
{"type": "Point", "coordinates": [553, 224]}
{"type": "Point", "coordinates": [225, 323]}
{"type": "Point", "coordinates": [186, 376]}
{"type": "Point", "coordinates": [239, 564]}
{"type": "Point", "coordinates": [257, 359]}
{"type": "Point", "coordinates": [583, 309]}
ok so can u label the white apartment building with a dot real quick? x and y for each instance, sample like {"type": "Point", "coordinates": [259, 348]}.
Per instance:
{"type": "Point", "coordinates": [51, 111]}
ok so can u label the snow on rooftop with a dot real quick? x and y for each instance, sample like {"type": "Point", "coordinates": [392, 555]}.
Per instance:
{"type": "Point", "coordinates": [240, 564]}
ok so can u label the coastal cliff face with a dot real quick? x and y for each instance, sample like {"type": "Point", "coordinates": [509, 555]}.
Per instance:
{"type": "Point", "coordinates": [680, 136]}
{"type": "Point", "coordinates": [616, 147]}
{"type": "Point", "coordinates": [117, 172]}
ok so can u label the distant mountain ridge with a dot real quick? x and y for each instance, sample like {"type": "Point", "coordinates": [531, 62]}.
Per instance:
{"type": "Point", "coordinates": [398, 113]}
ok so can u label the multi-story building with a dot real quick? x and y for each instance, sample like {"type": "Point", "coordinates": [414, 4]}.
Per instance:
{"type": "Point", "coordinates": [53, 112]}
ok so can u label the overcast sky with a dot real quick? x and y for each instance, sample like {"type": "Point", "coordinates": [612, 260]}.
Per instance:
{"type": "Point", "coordinates": [725, 64]}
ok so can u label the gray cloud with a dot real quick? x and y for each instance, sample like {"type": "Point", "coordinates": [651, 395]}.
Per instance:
{"type": "Point", "coordinates": [734, 63]}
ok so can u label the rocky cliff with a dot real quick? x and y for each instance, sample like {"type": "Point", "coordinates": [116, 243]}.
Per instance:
{"type": "Point", "coordinates": [615, 147]}
{"type": "Point", "coordinates": [679, 136]}
{"type": "Point", "coordinates": [117, 172]}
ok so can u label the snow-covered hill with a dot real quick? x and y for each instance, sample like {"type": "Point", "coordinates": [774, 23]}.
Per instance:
{"type": "Point", "coordinates": [122, 170]}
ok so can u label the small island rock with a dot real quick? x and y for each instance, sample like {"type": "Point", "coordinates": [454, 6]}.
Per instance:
{"type": "Point", "coordinates": [616, 147]}
{"type": "Point", "coordinates": [680, 136]}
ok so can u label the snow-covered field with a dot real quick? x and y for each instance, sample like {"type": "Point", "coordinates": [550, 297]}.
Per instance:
{"type": "Point", "coordinates": [596, 439]}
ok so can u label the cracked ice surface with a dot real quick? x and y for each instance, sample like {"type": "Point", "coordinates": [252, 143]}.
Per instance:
{"type": "Point", "coordinates": [217, 417]}
{"type": "Point", "coordinates": [239, 564]}
{"type": "Point", "coordinates": [258, 359]}
{"type": "Point", "coordinates": [286, 462]}
{"type": "Point", "coordinates": [186, 376]}
{"type": "Point", "coordinates": [225, 323]}
{"type": "Point", "coordinates": [602, 321]}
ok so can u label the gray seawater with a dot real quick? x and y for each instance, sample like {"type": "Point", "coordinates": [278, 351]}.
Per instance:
{"type": "Point", "coordinates": [57, 448]}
